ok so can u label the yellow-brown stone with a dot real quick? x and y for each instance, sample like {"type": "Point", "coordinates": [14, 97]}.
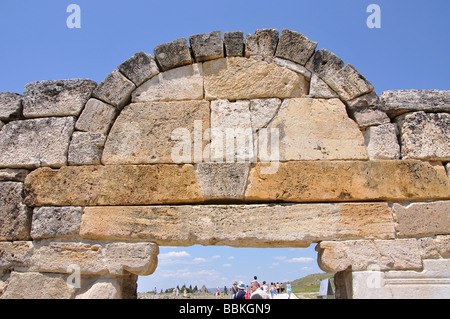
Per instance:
{"type": "Point", "coordinates": [286, 225]}
{"type": "Point", "coordinates": [113, 185]}
{"type": "Point", "coordinates": [336, 181]}
{"type": "Point", "coordinates": [242, 78]}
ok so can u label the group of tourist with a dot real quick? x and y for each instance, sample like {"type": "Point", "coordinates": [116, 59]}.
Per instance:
{"type": "Point", "coordinates": [258, 291]}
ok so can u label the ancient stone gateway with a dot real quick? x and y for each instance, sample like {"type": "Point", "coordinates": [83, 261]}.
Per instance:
{"type": "Point", "coordinates": [221, 142]}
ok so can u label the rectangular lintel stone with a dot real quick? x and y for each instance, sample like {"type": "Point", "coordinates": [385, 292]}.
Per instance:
{"type": "Point", "coordinates": [285, 225]}
{"type": "Point", "coordinates": [113, 185]}
{"type": "Point", "coordinates": [302, 181]}
{"type": "Point", "coordinates": [336, 181]}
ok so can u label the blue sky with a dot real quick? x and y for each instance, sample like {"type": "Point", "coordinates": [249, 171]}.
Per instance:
{"type": "Point", "coordinates": [411, 50]}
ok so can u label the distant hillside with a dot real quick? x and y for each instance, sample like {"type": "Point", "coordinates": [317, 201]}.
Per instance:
{"type": "Point", "coordinates": [310, 283]}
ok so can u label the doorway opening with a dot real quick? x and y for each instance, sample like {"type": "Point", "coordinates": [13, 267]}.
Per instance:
{"type": "Point", "coordinates": [204, 272]}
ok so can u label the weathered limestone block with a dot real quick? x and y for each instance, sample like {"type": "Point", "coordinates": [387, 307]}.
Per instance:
{"type": "Point", "coordinates": [382, 142]}
{"type": "Point", "coordinates": [263, 42]}
{"type": "Point", "coordinates": [231, 131]}
{"type": "Point", "coordinates": [97, 117]}
{"type": "Point", "coordinates": [35, 285]}
{"type": "Point", "coordinates": [397, 102]}
{"type": "Point", "coordinates": [113, 185]}
{"type": "Point", "coordinates": [362, 255]}
{"type": "Point", "coordinates": [313, 129]}
{"type": "Point", "coordinates": [15, 255]}
{"type": "Point", "coordinates": [207, 46]}
{"type": "Point", "coordinates": [234, 43]}
{"type": "Point", "coordinates": [220, 181]}
{"type": "Point", "coordinates": [239, 225]}
{"type": "Point", "coordinates": [94, 258]}
{"type": "Point", "coordinates": [56, 97]}
{"type": "Point", "coordinates": [349, 83]}
{"type": "Point", "coordinates": [14, 216]}
{"type": "Point", "coordinates": [262, 111]}
{"type": "Point", "coordinates": [183, 83]}
{"type": "Point", "coordinates": [159, 132]}
{"type": "Point", "coordinates": [325, 64]}
{"type": "Point", "coordinates": [36, 142]}
{"type": "Point", "coordinates": [447, 167]}
{"type": "Point", "coordinates": [425, 135]}
{"type": "Point", "coordinates": [367, 111]}
{"type": "Point", "coordinates": [431, 283]}
{"type": "Point", "coordinates": [295, 47]}
{"type": "Point", "coordinates": [324, 181]}
{"type": "Point", "coordinates": [13, 175]}
{"type": "Point", "coordinates": [139, 68]}
{"type": "Point", "coordinates": [10, 106]}
{"type": "Point", "coordinates": [226, 79]}
{"type": "Point", "coordinates": [422, 219]}
{"type": "Point", "coordinates": [116, 90]}
{"type": "Point", "coordinates": [173, 54]}
{"type": "Point", "coordinates": [319, 89]}
{"type": "Point", "coordinates": [117, 287]}
{"type": "Point", "coordinates": [86, 148]}
{"type": "Point", "coordinates": [53, 222]}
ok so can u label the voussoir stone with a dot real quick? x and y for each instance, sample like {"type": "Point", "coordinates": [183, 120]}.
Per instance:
{"type": "Point", "coordinates": [10, 106]}
{"type": "Point", "coordinates": [349, 83]}
{"type": "Point", "coordinates": [425, 135]}
{"type": "Point", "coordinates": [396, 102]}
{"type": "Point", "coordinates": [183, 83]}
{"type": "Point", "coordinates": [422, 219]}
{"type": "Point", "coordinates": [173, 54]}
{"type": "Point", "coordinates": [323, 181]}
{"type": "Point", "coordinates": [97, 117]}
{"type": "Point", "coordinates": [139, 68]}
{"type": "Point", "coordinates": [113, 185]}
{"type": "Point", "coordinates": [315, 129]}
{"type": "Point", "coordinates": [295, 47]}
{"type": "Point", "coordinates": [15, 217]}
{"type": "Point", "coordinates": [115, 89]}
{"type": "Point", "coordinates": [325, 64]}
{"type": "Point", "coordinates": [159, 132]}
{"type": "Point", "coordinates": [53, 222]}
{"type": "Point", "coordinates": [56, 97]}
{"type": "Point", "coordinates": [234, 43]}
{"type": "Point", "coordinates": [241, 78]}
{"type": "Point", "coordinates": [36, 142]}
{"type": "Point", "coordinates": [290, 225]}
{"type": "Point", "coordinates": [263, 42]}
{"type": "Point", "coordinates": [207, 46]}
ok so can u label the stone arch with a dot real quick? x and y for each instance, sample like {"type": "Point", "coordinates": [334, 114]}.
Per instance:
{"type": "Point", "coordinates": [95, 177]}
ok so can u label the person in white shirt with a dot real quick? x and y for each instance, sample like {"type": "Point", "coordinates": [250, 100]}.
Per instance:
{"type": "Point", "coordinates": [257, 292]}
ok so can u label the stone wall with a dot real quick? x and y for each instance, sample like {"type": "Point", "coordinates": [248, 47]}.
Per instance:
{"type": "Point", "coordinates": [224, 141]}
